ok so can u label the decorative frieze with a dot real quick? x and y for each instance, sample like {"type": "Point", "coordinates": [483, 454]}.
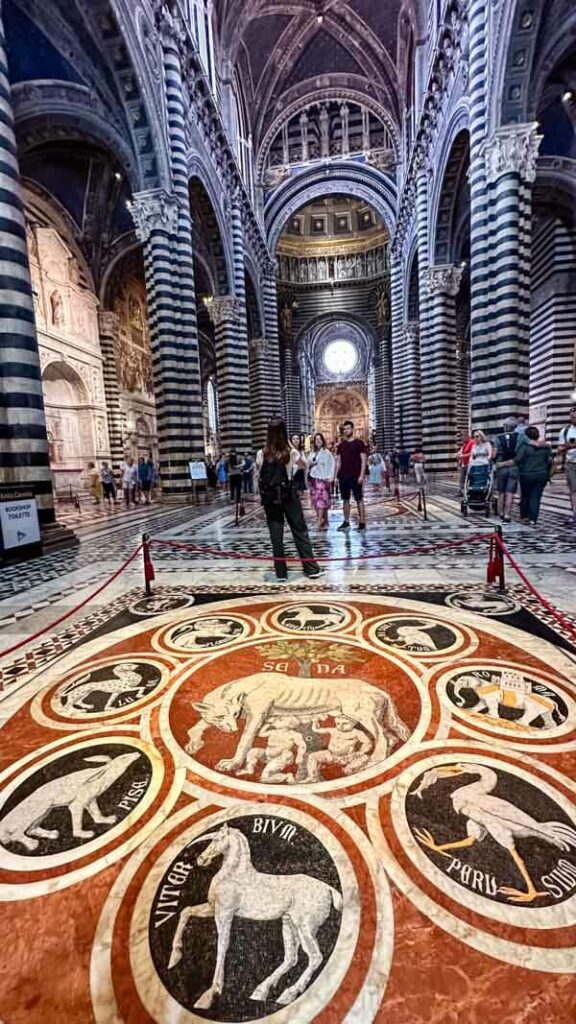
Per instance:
{"type": "Point", "coordinates": [355, 266]}
{"type": "Point", "coordinates": [513, 150]}
{"type": "Point", "coordinates": [443, 280]}
{"type": "Point", "coordinates": [154, 210]}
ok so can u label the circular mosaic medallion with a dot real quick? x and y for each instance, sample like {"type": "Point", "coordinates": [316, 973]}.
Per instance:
{"type": "Point", "coordinates": [203, 633]}
{"type": "Point", "coordinates": [76, 800]}
{"type": "Point", "coordinates": [312, 617]}
{"type": "Point", "coordinates": [489, 602]}
{"type": "Point", "coordinates": [491, 836]}
{"type": "Point", "coordinates": [508, 699]}
{"type": "Point", "coordinates": [160, 603]}
{"type": "Point", "coordinates": [102, 689]}
{"type": "Point", "coordinates": [420, 636]}
{"type": "Point", "coordinates": [295, 712]}
{"type": "Point", "coordinates": [255, 913]}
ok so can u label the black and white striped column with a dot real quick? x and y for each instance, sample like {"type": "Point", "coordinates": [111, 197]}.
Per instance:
{"type": "Point", "coordinates": [164, 225]}
{"type": "Point", "coordinates": [23, 444]}
{"type": "Point", "coordinates": [438, 368]}
{"type": "Point", "coordinates": [258, 349]}
{"type": "Point", "coordinates": [293, 414]}
{"type": "Point", "coordinates": [231, 374]}
{"type": "Point", "coordinates": [387, 391]}
{"type": "Point", "coordinates": [238, 359]}
{"type": "Point", "coordinates": [412, 389]}
{"type": "Point", "coordinates": [417, 339]}
{"type": "Point", "coordinates": [396, 314]}
{"type": "Point", "coordinates": [480, 299]}
{"type": "Point", "coordinates": [502, 388]}
{"type": "Point", "coordinates": [108, 324]}
{"type": "Point", "coordinates": [175, 365]}
{"type": "Point", "coordinates": [273, 405]}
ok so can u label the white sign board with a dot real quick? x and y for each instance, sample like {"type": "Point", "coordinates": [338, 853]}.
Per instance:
{"type": "Point", "coordinates": [19, 523]}
{"type": "Point", "coordinates": [197, 471]}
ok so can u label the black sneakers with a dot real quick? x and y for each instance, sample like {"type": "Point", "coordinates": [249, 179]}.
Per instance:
{"type": "Point", "coordinates": [316, 575]}
{"type": "Point", "coordinates": [344, 526]}
{"type": "Point", "coordinates": [361, 526]}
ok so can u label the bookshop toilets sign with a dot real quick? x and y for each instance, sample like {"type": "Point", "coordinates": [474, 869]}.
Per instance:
{"type": "Point", "coordinates": [19, 524]}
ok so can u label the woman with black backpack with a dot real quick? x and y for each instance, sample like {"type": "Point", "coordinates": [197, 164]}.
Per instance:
{"type": "Point", "coordinates": [278, 461]}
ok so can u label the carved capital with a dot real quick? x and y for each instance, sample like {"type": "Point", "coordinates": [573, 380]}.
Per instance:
{"type": "Point", "coordinates": [258, 347]}
{"type": "Point", "coordinates": [412, 333]}
{"type": "Point", "coordinates": [154, 210]}
{"type": "Point", "coordinates": [108, 322]}
{"type": "Point", "coordinates": [169, 23]}
{"type": "Point", "coordinates": [513, 150]}
{"type": "Point", "coordinates": [269, 267]}
{"type": "Point", "coordinates": [223, 309]}
{"type": "Point", "coordinates": [443, 280]}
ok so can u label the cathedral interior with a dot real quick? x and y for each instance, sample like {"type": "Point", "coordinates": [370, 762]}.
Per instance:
{"type": "Point", "coordinates": [345, 794]}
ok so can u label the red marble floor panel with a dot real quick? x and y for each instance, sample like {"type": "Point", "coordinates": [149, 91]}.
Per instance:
{"type": "Point", "coordinates": [293, 808]}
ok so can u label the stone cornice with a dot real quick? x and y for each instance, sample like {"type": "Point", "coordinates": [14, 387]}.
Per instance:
{"type": "Point", "coordinates": [154, 210]}
{"type": "Point", "coordinates": [513, 150]}
{"type": "Point", "coordinates": [448, 56]}
{"type": "Point", "coordinates": [444, 279]}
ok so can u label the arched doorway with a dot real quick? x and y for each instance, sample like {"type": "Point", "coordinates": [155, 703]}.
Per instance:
{"type": "Point", "coordinates": [336, 357]}
{"type": "Point", "coordinates": [337, 404]}
{"type": "Point", "coordinates": [70, 425]}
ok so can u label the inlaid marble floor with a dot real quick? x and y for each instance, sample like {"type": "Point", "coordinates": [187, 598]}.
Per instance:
{"type": "Point", "coordinates": [328, 807]}
{"type": "Point", "coordinates": [348, 802]}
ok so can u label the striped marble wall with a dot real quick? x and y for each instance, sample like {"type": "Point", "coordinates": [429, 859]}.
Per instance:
{"type": "Point", "coordinates": [552, 331]}
{"type": "Point", "coordinates": [23, 443]}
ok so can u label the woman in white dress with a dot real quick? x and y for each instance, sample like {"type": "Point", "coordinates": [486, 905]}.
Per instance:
{"type": "Point", "coordinates": [321, 466]}
{"type": "Point", "coordinates": [375, 468]}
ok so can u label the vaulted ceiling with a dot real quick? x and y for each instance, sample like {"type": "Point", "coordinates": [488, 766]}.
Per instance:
{"type": "Point", "coordinates": [288, 50]}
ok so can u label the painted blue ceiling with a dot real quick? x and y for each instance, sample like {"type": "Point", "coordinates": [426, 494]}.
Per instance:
{"type": "Point", "coordinates": [30, 54]}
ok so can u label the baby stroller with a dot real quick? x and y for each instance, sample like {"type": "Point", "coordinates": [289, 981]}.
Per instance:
{"type": "Point", "coordinates": [478, 490]}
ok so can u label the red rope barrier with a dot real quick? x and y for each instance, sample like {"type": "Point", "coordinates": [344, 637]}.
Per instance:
{"type": "Point", "coordinates": [543, 601]}
{"type": "Point", "coordinates": [46, 629]}
{"type": "Point", "coordinates": [342, 558]}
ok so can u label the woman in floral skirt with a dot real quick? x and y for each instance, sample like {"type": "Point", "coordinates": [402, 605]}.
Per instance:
{"type": "Point", "coordinates": [321, 466]}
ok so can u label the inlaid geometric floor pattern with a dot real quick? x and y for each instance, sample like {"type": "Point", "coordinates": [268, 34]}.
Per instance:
{"type": "Point", "coordinates": [292, 808]}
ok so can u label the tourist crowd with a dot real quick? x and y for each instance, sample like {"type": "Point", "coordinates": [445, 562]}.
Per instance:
{"type": "Point", "coordinates": [519, 460]}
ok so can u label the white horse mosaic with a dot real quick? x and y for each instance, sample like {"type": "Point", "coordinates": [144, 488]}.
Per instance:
{"type": "Point", "coordinates": [301, 902]}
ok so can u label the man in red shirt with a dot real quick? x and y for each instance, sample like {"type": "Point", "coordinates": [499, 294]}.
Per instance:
{"type": "Point", "coordinates": [351, 459]}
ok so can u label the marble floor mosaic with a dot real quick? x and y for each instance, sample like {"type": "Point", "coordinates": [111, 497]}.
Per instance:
{"type": "Point", "coordinates": [343, 801]}
{"type": "Point", "coordinates": [293, 807]}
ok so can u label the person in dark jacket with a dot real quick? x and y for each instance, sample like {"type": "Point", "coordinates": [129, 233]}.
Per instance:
{"type": "Point", "coordinates": [534, 460]}
{"type": "Point", "coordinates": [277, 463]}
